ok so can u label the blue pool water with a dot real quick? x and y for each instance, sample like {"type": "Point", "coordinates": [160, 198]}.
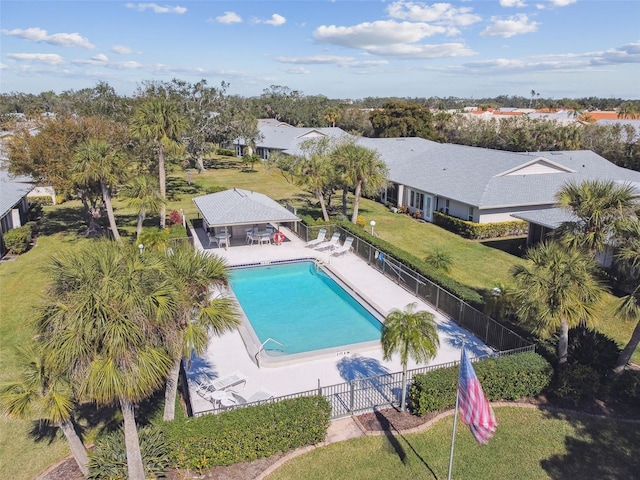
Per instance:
{"type": "Point", "coordinates": [302, 308]}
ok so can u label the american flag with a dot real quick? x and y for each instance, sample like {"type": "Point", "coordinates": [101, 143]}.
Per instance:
{"type": "Point", "coordinates": [474, 406]}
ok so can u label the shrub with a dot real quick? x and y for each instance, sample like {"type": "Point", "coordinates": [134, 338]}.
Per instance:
{"type": "Point", "coordinates": [227, 152]}
{"type": "Point", "coordinates": [440, 260]}
{"type": "Point", "coordinates": [593, 349]}
{"type": "Point", "coordinates": [576, 381]}
{"type": "Point", "coordinates": [17, 240]}
{"type": "Point", "coordinates": [175, 218]}
{"type": "Point", "coordinates": [247, 434]}
{"type": "Point", "coordinates": [109, 457]}
{"type": "Point", "coordinates": [503, 378]}
{"type": "Point", "coordinates": [214, 189]}
{"type": "Point", "coordinates": [154, 238]}
{"type": "Point", "coordinates": [627, 387]}
{"type": "Point", "coordinates": [360, 221]}
{"type": "Point", "coordinates": [479, 231]}
{"type": "Point", "coordinates": [177, 231]}
{"type": "Point", "coordinates": [41, 199]}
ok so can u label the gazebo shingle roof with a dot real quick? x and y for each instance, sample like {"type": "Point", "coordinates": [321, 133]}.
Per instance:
{"type": "Point", "coordinates": [241, 207]}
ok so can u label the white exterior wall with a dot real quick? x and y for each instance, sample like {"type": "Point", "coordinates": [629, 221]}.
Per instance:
{"type": "Point", "coordinates": [504, 214]}
{"type": "Point", "coordinates": [457, 209]}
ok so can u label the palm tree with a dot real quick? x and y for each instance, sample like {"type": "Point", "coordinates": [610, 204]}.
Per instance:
{"type": "Point", "coordinates": [412, 334]}
{"type": "Point", "coordinates": [47, 395]}
{"type": "Point", "coordinates": [157, 120]}
{"type": "Point", "coordinates": [98, 161]}
{"type": "Point", "coordinates": [363, 170]}
{"type": "Point", "coordinates": [628, 110]}
{"type": "Point", "coordinates": [314, 169]}
{"type": "Point", "coordinates": [143, 194]}
{"type": "Point", "coordinates": [628, 307]}
{"type": "Point", "coordinates": [598, 205]}
{"type": "Point", "coordinates": [556, 290]}
{"type": "Point", "coordinates": [198, 313]}
{"type": "Point", "coordinates": [103, 326]}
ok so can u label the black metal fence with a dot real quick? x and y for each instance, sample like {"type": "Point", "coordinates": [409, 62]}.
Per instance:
{"type": "Point", "coordinates": [483, 326]}
{"type": "Point", "coordinates": [361, 394]}
{"type": "Point", "coordinates": [364, 394]}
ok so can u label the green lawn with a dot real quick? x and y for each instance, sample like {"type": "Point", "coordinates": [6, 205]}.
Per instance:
{"type": "Point", "coordinates": [23, 451]}
{"type": "Point", "coordinates": [529, 444]}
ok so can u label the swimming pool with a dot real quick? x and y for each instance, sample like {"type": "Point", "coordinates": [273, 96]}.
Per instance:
{"type": "Point", "coordinates": [303, 308]}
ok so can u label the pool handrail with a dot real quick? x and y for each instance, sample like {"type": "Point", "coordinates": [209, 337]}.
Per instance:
{"type": "Point", "coordinates": [261, 348]}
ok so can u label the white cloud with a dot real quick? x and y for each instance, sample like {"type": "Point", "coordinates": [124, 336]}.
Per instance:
{"type": "Point", "coordinates": [229, 17]}
{"type": "Point", "coordinates": [331, 60]}
{"type": "Point", "coordinates": [391, 38]}
{"type": "Point", "coordinates": [316, 59]}
{"type": "Point", "coordinates": [48, 58]}
{"type": "Point", "coordinates": [562, 3]}
{"type": "Point", "coordinates": [629, 53]}
{"type": "Point", "coordinates": [155, 8]}
{"type": "Point", "coordinates": [275, 20]}
{"type": "Point", "coordinates": [512, 3]}
{"type": "Point", "coordinates": [121, 50]}
{"type": "Point", "coordinates": [567, 62]}
{"type": "Point", "coordinates": [101, 57]}
{"type": "Point", "coordinates": [516, 25]}
{"type": "Point", "coordinates": [36, 34]}
{"type": "Point", "coordinates": [441, 50]}
{"type": "Point", "coordinates": [296, 70]}
{"type": "Point", "coordinates": [381, 32]}
{"type": "Point", "coordinates": [438, 13]}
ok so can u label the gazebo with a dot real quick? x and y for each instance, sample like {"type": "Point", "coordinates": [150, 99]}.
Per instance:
{"type": "Point", "coordinates": [236, 216]}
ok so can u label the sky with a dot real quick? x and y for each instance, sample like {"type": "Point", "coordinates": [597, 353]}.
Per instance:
{"type": "Point", "coordinates": [339, 49]}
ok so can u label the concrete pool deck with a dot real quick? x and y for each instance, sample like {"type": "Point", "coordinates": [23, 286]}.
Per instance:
{"type": "Point", "coordinates": [227, 354]}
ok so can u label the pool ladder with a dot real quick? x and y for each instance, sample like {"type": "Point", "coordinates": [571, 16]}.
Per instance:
{"type": "Point", "coordinates": [261, 348]}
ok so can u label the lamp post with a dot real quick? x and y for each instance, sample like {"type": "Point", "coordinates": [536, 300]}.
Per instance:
{"type": "Point", "coordinates": [373, 224]}
{"type": "Point", "coordinates": [141, 248]}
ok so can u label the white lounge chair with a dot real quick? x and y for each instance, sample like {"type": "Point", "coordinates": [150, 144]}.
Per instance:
{"type": "Point", "coordinates": [259, 396]}
{"type": "Point", "coordinates": [344, 248]}
{"type": "Point", "coordinates": [233, 383]}
{"type": "Point", "coordinates": [332, 243]}
{"type": "Point", "coordinates": [319, 239]}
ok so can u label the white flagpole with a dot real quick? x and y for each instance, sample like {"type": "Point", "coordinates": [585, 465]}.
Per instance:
{"type": "Point", "coordinates": [455, 418]}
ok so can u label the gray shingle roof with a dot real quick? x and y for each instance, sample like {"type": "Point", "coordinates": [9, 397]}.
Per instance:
{"type": "Point", "coordinates": [550, 218]}
{"type": "Point", "coordinates": [241, 207]}
{"type": "Point", "coordinates": [11, 193]}
{"type": "Point", "coordinates": [470, 175]}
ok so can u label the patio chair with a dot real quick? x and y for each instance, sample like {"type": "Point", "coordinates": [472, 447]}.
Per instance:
{"type": "Point", "coordinates": [320, 238]}
{"type": "Point", "coordinates": [332, 243]}
{"type": "Point", "coordinates": [265, 237]}
{"type": "Point", "coordinates": [259, 396]}
{"type": "Point", "coordinates": [232, 382]}
{"type": "Point", "coordinates": [344, 248]}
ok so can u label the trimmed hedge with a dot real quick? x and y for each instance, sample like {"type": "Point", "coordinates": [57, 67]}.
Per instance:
{"type": "Point", "coordinates": [44, 200]}
{"type": "Point", "coordinates": [502, 378]}
{"type": "Point", "coordinates": [247, 434]}
{"type": "Point", "coordinates": [17, 240]}
{"type": "Point", "coordinates": [227, 152]}
{"type": "Point", "coordinates": [480, 231]}
{"type": "Point", "coordinates": [438, 277]}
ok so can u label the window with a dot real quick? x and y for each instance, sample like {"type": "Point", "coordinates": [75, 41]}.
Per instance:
{"type": "Point", "coordinates": [446, 206]}
{"type": "Point", "coordinates": [470, 216]}
{"type": "Point", "coordinates": [416, 200]}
